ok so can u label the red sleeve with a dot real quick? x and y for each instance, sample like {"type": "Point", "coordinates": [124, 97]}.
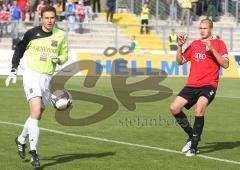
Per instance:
{"type": "Point", "coordinates": [187, 53]}
{"type": "Point", "coordinates": [223, 50]}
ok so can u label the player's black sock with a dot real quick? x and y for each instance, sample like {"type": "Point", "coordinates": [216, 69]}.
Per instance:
{"type": "Point", "coordinates": [184, 123]}
{"type": "Point", "coordinates": [197, 130]}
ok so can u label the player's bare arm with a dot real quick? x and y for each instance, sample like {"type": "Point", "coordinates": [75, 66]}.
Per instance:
{"type": "Point", "coordinates": [182, 40]}
{"type": "Point", "coordinates": [222, 60]}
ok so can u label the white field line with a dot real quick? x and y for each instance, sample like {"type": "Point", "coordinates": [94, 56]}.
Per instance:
{"type": "Point", "coordinates": [217, 96]}
{"type": "Point", "coordinates": [124, 143]}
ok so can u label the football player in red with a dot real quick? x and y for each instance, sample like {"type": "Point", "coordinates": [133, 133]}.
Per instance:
{"type": "Point", "coordinates": [206, 55]}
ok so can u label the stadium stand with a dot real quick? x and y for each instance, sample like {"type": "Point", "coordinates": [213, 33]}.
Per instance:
{"type": "Point", "coordinates": [98, 34]}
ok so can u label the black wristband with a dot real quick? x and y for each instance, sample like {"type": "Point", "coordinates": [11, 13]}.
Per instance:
{"type": "Point", "coordinates": [13, 70]}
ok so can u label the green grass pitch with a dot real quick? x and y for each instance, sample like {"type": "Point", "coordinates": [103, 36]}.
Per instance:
{"type": "Point", "coordinates": [220, 139]}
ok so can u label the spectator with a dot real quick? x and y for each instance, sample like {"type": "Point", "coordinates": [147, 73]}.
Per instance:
{"type": "Point", "coordinates": [39, 9]}
{"type": "Point", "coordinates": [173, 40]}
{"type": "Point", "coordinates": [27, 15]}
{"type": "Point", "coordinates": [1, 4]}
{"type": "Point", "coordinates": [59, 10]}
{"type": "Point", "coordinates": [35, 4]}
{"type": "Point", "coordinates": [15, 15]}
{"type": "Point", "coordinates": [56, 1]}
{"type": "Point", "coordinates": [222, 6]}
{"type": "Point", "coordinates": [22, 4]}
{"type": "Point", "coordinates": [111, 7]}
{"type": "Point", "coordinates": [211, 10]}
{"type": "Point", "coordinates": [186, 5]}
{"type": "Point", "coordinates": [205, 6]}
{"type": "Point", "coordinates": [80, 15]}
{"type": "Point", "coordinates": [134, 45]}
{"type": "Point", "coordinates": [200, 7]}
{"type": "Point", "coordinates": [47, 2]}
{"type": "Point", "coordinates": [31, 9]}
{"type": "Point", "coordinates": [144, 18]}
{"type": "Point", "coordinates": [173, 10]}
{"type": "Point", "coordinates": [4, 20]}
{"type": "Point", "coordinates": [98, 4]}
{"type": "Point", "coordinates": [88, 10]}
{"type": "Point", "coordinates": [194, 8]}
{"type": "Point", "coordinates": [147, 2]}
{"type": "Point", "coordinates": [70, 10]}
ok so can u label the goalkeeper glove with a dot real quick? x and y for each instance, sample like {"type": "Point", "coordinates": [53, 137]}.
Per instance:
{"type": "Point", "coordinates": [12, 77]}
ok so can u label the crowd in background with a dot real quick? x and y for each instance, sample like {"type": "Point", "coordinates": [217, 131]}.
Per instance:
{"type": "Point", "coordinates": [79, 11]}
{"type": "Point", "coordinates": [29, 7]}
{"type": "Point", "coordinates": [184, 10]}
{"type": "Point", "coordinates": [176, 10]}
{"type": "Point", "coordinates": [211, 8]}
{"type": "Point", "coordinates": [14, 11]}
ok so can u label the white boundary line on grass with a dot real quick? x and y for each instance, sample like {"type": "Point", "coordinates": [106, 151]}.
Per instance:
{"type": "Point", "coordinates": [124, 143]}
{"type": "Point", "coordinates": [220, 96]}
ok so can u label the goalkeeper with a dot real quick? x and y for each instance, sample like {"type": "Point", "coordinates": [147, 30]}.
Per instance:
{"type": "Point", "coordinates": [44, 46]}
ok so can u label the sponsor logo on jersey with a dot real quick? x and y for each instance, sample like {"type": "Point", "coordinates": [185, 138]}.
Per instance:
{"type": "Point", "coordinates": [43, 57]}
{"type": "Point", "coordinates": [54, 43]}
{"type": "Point", "coordinates": [44, 49]}
{"type": "Point", "coordinates": [30, 90]}
{"type": "Point", "coordinates": [199, 56]}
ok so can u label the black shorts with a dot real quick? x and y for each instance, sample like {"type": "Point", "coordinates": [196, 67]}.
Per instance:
{"type": "Point", "coordinates": [192, 94]}
{"type": "Point", "coordinates": [111, 9]}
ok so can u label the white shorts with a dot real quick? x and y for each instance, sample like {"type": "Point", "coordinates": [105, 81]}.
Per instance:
{"type": "Point", "coordinates": [36, 85]}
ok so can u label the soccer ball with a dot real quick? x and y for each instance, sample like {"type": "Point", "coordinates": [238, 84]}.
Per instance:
{"type": "Point", "coordinates": [61, 99]}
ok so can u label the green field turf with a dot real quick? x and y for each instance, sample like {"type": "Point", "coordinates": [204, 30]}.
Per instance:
{"type": "Point", "coordinates": [144, 142]}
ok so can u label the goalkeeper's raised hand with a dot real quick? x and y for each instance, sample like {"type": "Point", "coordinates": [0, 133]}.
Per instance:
{"type": "Point", "coordinates": [12, 77]}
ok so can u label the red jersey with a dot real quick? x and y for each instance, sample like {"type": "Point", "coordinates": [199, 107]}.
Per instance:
{"type": "Point", "coordinates": [22, 4]}
{"type": "Point", "coordinates": [4, 17]}
{"type": "Point", "coordinates": [204, 66]}
{"type": "Point", "coordinates": [80, 12]}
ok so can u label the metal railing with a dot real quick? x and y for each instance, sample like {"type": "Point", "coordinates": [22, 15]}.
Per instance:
{"type": "Point", "coordinates": [161, 9]}
{"type": "Point", "coordinates": [100, 36]}
{"type": "Point", "coordinates": [234, 9]}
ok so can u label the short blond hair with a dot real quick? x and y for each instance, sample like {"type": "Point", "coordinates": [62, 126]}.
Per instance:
{"type": "Point", "coordinates": [207, 21]}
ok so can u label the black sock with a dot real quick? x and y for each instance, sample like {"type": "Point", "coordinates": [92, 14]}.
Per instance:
{"type": "Point", "coordinates": [111, 17]}
{"type": "Point", "coordinates": [108, 16]}
{"type": "Point", "coordinates": [197, 130]}
{"type": "Point", "coordinates": [184, 123]}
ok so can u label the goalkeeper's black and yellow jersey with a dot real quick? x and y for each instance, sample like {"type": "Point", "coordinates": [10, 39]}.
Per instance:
{"type": "Point", "coordinates": [39, 47]}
